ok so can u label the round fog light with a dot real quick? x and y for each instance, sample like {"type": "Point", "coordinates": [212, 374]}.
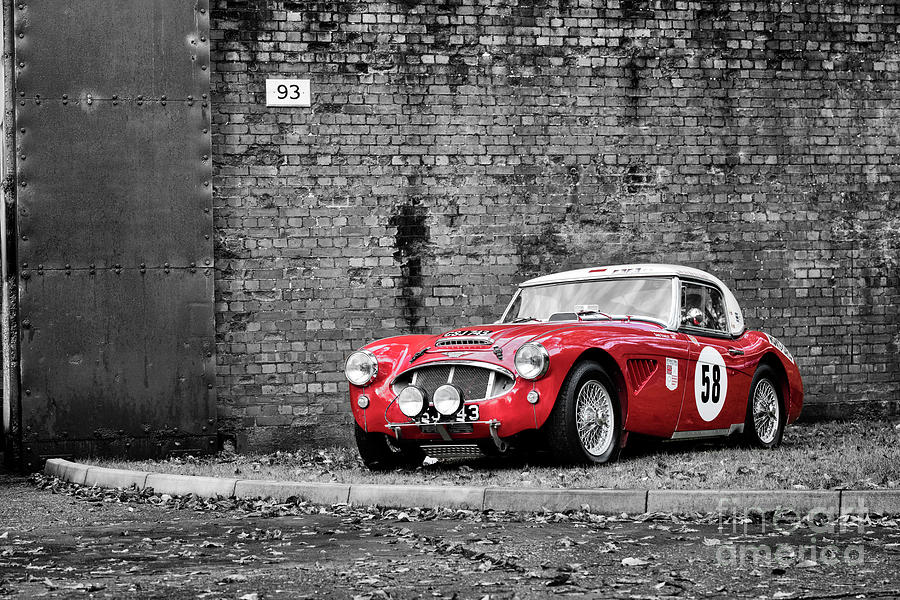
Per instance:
{"type": "Point", "coordinates": [447, 399]}
{"type": "Point", "coordinates": [533, 396]}
{"type": "Point", "coordinates": [411, 401]}
{"type": "Point", "coordinates": [362, 401]}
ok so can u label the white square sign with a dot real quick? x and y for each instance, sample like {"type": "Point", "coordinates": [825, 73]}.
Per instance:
{"type": "Point", "coordinates": [287, 92]}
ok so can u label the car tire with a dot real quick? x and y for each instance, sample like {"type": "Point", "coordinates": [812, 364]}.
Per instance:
{"type": "Point", "coordinates": [587, 398]}
{"type": "Point", "coordinates": [766, 416]}
{"type": "Point", "coordinates": [382, 453]}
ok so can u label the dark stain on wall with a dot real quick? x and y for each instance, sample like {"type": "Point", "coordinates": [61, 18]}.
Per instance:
{"type": "Point", "coordinates": [411, 242]}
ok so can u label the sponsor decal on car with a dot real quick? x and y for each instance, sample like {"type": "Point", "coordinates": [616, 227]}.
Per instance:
{"type": "Point", "coordinates": [710, 383]}
{"type": "Point", "coordinates": [672, 374]}
{"type": "Point", "coordinates": [781, 348]}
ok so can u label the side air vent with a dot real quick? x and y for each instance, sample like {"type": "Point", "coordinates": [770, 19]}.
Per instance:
{"type": "Point", "coordinates": [640, 370]}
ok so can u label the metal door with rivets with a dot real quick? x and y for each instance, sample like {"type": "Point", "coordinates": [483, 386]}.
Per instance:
{"type": "Point", "coordinates": [114, 225]}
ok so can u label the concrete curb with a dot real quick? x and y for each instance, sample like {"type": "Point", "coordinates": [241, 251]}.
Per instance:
{"type": "Point", "coordinates": [882, 502]}
{"type": "Point", "coordinates": [730, 501]}
{"type": "Point", "coordinates": [317, 493]}
{"type": "Point", "coordinates": [425, 496]}
{"type": "Point", "coordinates": [183, 485]}
{"type": "Point", "coordinates": [609, 502]}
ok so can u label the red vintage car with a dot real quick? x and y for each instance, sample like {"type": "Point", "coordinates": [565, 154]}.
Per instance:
{"type": "Point", "coordinates": [579, 360]}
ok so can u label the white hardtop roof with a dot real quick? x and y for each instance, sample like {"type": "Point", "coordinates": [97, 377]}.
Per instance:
{"type": "Point", "coordinates": [618, 271]}
{"type": "Point", "coordinates": [735, 315]}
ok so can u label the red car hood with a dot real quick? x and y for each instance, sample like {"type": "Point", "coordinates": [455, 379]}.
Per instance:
{"type": "Point", "coordinates": [494, 343]}
{"type": "Point", "coordinates": [503, 336]}
{"type": "Point", "coordinates": [506, 338]}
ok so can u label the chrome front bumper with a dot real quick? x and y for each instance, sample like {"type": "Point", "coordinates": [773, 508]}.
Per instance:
{"type": "Point", "coordinates": [444, 430]}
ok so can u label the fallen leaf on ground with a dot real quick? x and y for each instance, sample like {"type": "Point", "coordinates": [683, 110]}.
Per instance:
{"type": "Point", "coordinates": [633, 562]}
{"type": "Point", "coordinates": [560, 579]}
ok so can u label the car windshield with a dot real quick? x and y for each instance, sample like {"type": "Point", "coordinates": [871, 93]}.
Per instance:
{"type": "Point", "coordinates": [635, 297]}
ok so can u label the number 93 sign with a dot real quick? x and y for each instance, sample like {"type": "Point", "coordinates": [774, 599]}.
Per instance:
{"type": "Point", "coordinates": [287, 92]}
{"type": "Point", "coordinates": [710, 383]}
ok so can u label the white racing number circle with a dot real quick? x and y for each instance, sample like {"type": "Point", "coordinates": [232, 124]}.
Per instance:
{"type": "Point", "coordinates": [710, 383]}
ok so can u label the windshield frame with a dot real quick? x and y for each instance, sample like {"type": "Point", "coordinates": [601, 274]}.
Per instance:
{"type": "Point", "coordinates": [675, 305]}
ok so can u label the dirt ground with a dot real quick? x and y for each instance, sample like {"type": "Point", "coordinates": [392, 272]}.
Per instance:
{"type": "Point", "coordinates": [97, 545]}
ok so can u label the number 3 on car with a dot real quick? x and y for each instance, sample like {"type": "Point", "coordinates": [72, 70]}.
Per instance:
{"type": "Point", "coordinates": [577, 362]}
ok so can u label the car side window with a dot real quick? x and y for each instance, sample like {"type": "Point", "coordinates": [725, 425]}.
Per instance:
{"type": "Point", "coordinates": [703, 307]}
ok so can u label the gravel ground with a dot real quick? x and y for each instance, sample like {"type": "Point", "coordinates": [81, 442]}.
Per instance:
{"type": "Point", "coordinates": [59, 540]}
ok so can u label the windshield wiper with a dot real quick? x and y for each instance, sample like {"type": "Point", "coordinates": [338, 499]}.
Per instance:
{"type": "Point", "coordinates": [523, 319]}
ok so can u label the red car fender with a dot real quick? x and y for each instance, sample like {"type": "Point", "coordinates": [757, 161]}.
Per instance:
{"type": "Point", "coordinates": [767, 349]}
{"type": "Point", "coordinates": [569, 346]}
{"type": "Point", "coordinates": [389, 352]}
{"type": "Point", "coordinates": [795, 383]}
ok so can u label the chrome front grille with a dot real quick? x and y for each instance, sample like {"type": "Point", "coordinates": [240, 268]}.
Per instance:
{"type": "Point", "coordinates": [476, 383]}
{"type": "Point", "coordinates": [431, 378]}
{"type": "Point", "coordinates": [473, 381]}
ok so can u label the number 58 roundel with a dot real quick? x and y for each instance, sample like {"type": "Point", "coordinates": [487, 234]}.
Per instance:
{"type": "Point", "coordinates": [710, 383]}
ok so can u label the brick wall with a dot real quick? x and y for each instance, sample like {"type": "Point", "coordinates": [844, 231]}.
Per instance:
{"type": "Point", "coordinates": [457, 147]}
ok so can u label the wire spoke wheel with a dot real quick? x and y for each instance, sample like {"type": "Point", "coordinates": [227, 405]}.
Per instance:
{"type": "Point", "coordinates": [594, 417]}
{"type": "Point", "coordinates": [585, 424]}
{"type": "Point", "coordinates": [766, 411]}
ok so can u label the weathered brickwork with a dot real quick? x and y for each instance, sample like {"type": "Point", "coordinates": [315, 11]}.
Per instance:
{"type": "Point", "coordinates": [457, 147]}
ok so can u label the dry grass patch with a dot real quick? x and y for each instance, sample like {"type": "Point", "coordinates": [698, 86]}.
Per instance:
{"type": "Point", "coordinates": [852, 455]}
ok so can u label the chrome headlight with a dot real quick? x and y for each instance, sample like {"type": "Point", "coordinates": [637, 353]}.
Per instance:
{"type": "Point", "coordinates": [447, 399]}
{"type": "Point", "coordinates": [411, 401]}
{"type": "Point", "coordinates": [532, 360]}
{"type": "Point", "coordinates": [361, 368]}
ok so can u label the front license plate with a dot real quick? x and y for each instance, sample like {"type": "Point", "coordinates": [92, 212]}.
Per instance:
{"type": "Point", "coordinates": [467, 414]}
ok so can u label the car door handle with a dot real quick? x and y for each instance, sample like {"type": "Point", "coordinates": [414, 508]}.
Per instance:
{"type": "Point", "coordinates": [735, 352]}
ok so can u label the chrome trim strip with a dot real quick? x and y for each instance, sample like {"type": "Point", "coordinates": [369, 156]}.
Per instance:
{"type": "Point", "coordinates": [458, 363]}
{"type": "Point", "coordinates": [675, 316]}
{"type": "Point", "coordinates": [707, 433]}
{"type": "Point", "coordinates": [393, 425]}
{"type": "Point", "coordinates": [508, 307]}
